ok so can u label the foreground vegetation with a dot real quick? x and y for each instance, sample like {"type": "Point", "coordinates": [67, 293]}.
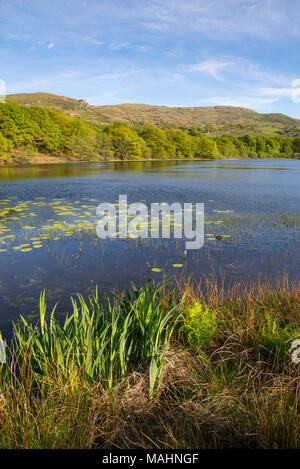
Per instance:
{"type": "Point", "coordinates": [202, 367]}
{"type": "Point", "coordinates": [28, 131]}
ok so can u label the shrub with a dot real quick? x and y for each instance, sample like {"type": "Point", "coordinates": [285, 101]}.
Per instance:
{"type": "Point", "coordinates": [83, 148]}
{"type": "Point", "coordinates": [126, 143]}
{"type": "Point", "coordinates": [276, 339]}
{"type": "Point", "coordinates": [156, 140]}
{"type": "Point", "coordinates": [25, 155]}
{"type": "Point", "coordinates": [199, 325]}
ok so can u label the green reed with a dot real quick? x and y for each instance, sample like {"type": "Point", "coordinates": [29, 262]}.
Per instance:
{"type": "Point", "coordinates": [101, 343]}
{"type": "Point", "coordinates": [230, 381]}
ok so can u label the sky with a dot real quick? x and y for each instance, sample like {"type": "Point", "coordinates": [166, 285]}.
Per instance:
{"type": "Point", "coordinates": [164, 52]}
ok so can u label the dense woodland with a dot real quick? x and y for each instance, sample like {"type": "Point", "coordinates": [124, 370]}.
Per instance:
{"type": "Point", "coordinates": [26, 131]}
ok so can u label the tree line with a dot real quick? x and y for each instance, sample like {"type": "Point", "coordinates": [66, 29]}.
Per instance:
{"type": "Point", "coordinates": [27, 130]}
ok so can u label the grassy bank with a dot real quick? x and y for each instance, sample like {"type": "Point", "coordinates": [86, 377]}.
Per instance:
{"type": "Point", "coordinates": [204, 366]}
{"type": "Point", "coordinates": [40, 159]}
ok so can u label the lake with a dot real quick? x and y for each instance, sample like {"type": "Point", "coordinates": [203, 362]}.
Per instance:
{"type": "Point", "coordinates": [48, 239]}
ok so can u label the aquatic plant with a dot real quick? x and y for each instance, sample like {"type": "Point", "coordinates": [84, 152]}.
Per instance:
{"type": "Point", "coordinates": [101, 343]}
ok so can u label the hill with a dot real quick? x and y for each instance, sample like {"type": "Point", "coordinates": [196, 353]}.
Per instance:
{"type": "Point", "coordinates": [215, 120]}
{"type": "Point", "coordinates": [27, 129]}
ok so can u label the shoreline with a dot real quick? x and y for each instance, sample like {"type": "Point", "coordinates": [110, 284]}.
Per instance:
{"type": "Point", "coordinates": [49, 160]}
{"type": "Point", "coordinates": [56, 160]}
{"type": "Point", "coordinates": [216, 354]}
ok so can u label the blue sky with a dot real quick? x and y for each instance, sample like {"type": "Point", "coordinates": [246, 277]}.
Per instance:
{"type": "Point", "coordinates": [164, 52]}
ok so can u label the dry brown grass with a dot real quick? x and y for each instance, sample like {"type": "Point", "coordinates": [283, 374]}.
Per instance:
{"type": "Point", "coordinates": [220, 119]}
{"type": "Point", "coordinates": [205, 405]}
{"type": "Point", "coordinates": [233, 394]}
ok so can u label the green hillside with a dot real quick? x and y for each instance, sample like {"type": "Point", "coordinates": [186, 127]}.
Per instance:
{"type": "Point", "coordinates": [31, 131]}
{"type": "Point", "coordinates": [215, 120]}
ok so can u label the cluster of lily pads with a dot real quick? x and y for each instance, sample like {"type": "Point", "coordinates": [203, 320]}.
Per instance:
{"type": "Point", "coordinates": [38, 224]}
{"type": "Point", "coordinates": [68, 219]}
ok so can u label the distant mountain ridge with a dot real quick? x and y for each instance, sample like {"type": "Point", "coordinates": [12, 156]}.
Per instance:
{"type": "Point", "coordinates": [209, 119]}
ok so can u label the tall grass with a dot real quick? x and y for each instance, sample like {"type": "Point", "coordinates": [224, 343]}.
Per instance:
{"type": "Point", "coordinates": [208, 367]}
{"type": "Point", "coordinates": [100, 343]}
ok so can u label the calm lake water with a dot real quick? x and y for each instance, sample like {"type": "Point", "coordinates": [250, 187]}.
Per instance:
{"type": "Point", "coordinates": [50, 242]}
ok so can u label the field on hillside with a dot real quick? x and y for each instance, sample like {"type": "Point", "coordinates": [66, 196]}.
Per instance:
{"type": "Point", "coordinates": [215, 120]}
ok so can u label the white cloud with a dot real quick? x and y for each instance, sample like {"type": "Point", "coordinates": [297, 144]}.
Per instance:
{"type": "Point", "coordinates": [115, 76]}
{"type": "Point", "coordinates": [155, 26]}
{"type": "Point", "coordinates": [119, 46]}
{"type": "Point", "coordinates": [2, 91]}
{"type": "Point", "coordinates": [29, 86]}
{"type": "Point", "coordinates": [276, 92]}
{"type": "Point", "coordinates": [255, 72]}
{"type": "Point", "coordinates": [212, 67]}
{"type": "Point", "coordinates": [236, 71]}
{"type": "Point", "coordinates": [228, 18]}
{"type": "Point", "coordinates": [51, 45]}
{"type": "Point", "coordinates": [142, 48]}
{"type": "Point", "coordinates": [92, 40]}
{"type": "Point", "coordinates": [240, 101]}
{"type": "Point", "coordinates": [293, 92]}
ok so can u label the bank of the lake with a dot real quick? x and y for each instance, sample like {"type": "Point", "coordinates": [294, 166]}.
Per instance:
{"type": "Point", "coordinates": [199, 367]}
{"type": "Point", "coordinates": [41, 159]}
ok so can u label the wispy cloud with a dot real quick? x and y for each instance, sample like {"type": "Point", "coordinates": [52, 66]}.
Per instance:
{"type": "Point", "coordinates": [28, 85]}
{"type": "Point", "coordinates": [155, 26]}
{"type": "Point", "coordinates": [115, 76]}
{"type": "Point", "coordinates": [91, 40]}
{"type": "Point", "coordinates": [240, 101]}
{"type": "Point", "coordinates": [276, 92]}
{"type": "Point", "coordinates": [226, 52]}
{"type": "Point", "coordinates": [293, 92]}
{"type": "Point", "coordinates": [237, 71]}
{"type": "Point", "coordinates": [229, 18]}
{"type": "Point", "coordinates": [211, 67]}
{"type": "Point", "coordinates": [119, 46]}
